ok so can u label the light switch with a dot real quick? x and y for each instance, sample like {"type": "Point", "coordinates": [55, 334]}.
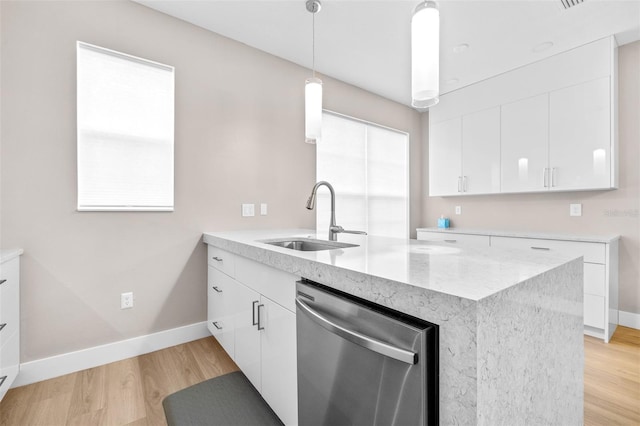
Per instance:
{"type": "Point", "coordinates": [263, 209]}
{"type": "Point", "coordinates": [248, 210]}
{"type": "Point", "coordinates": [458, 209]}
{"type": "Point", "coordinates": [575, 209]}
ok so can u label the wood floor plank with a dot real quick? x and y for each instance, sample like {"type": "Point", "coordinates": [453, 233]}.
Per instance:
{"type": "Point", "coordinates": [88, 394]}
{"type": "Point", "coordinates": [211, 358]}
{"type": "Point", "coordinates": [124, 393]}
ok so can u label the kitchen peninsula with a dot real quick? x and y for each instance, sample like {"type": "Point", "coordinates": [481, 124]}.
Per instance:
{"type": "Point", "coordinates": [510, 322]}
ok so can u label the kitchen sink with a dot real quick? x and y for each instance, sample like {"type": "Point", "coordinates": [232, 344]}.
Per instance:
{"type": "Point", "coordinates": [308, 244]}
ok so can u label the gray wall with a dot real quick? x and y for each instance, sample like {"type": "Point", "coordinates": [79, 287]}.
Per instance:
{"type": "Point", "coordinates": [603, 212]}
{"type": "Point", "coordinates": [239, 138]}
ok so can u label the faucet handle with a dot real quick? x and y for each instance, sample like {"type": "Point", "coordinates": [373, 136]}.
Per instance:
{"type": "Point", "coordinates": [340, 230]}
{"type": "Point", "coordinates": [346, 231]}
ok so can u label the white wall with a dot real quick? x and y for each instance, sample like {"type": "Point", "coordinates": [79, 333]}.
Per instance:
{"type": "Point", "coordinates": [239, 138]}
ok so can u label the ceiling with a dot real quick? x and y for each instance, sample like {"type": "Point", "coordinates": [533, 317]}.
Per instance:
{"type": "Point", "coordinates": [367, 43]}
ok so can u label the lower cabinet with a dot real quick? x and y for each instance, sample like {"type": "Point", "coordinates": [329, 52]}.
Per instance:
{"type": "Point", "coordinates": [9, 319]}
{"type": "Point", "coordinates": [257, 332]}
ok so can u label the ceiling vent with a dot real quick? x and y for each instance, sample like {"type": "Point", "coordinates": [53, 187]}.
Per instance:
{"type": "Point", "coordinates": [570, 3]}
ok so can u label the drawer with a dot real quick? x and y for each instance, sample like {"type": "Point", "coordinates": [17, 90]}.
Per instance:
{"type": "Point", "coordinates": [222, 260]}
{"type": "Point", "coordinates": [594, 311]}
{"type": "Point", "coordinates": [273, 283]}
{"type": "Point", "coordinates": [592, 252]}
{"type": "Point", "coordinates": [454, 238]}
{"type": "Point", "coordinates": [9, 300]}
{"type": "Point", "coordinates": [220, 308]}
{"type": "Point", "coordinates": [594, 279]}
{"type": "Point", "coordinates": [9, 363]}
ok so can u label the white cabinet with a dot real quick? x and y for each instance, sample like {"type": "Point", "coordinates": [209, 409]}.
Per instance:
{"type": "Point", "coordinates": [481, 152]}
{"type": "Point", "coordinates": [525, 145]}
{"type": "Point", "coordinates": [464, 154]}
{"type": "Point", "coordinates": [252, 315]}
{"type": "Point", "coordinates": [547, 126]}
{"type": "Point", "coordinates": [580, 136]}
{"type": "Point", "coordinates": [600, 277]}
{"type": "Point", "coordinates": [9, 319]}
{"type": "Point", "coordinates": [445, 157]}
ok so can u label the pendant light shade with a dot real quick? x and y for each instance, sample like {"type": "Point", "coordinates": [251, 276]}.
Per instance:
{"type": "Point", "coordinates": [313, 88]}
{"type": "Point", "coordinates": [425, 55]}
{"type": "Point", "coordinates": [313, 109]}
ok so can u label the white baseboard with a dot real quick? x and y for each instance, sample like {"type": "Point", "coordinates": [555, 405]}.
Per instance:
{"type": "Point", "coordinates": [629, 319]}
{"type": "Point", "coordinates": [55, 366]}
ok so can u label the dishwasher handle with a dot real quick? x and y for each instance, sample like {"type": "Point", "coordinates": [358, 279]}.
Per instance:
{"type": "Point", "coordinates": [357, 338]}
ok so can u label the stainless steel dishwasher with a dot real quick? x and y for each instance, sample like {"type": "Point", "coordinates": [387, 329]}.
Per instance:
{"type": "Point", "coordinates": [362, 364]}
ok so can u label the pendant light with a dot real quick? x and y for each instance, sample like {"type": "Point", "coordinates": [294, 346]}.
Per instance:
{"type": "Point", "coordinates": [425, 55]}
{"type": "Point", "coordinates": [313, 88]}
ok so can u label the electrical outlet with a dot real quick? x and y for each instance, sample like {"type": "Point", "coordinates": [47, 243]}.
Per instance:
{"type": "Point", "coordinates": [458, 209]}
{"type": "Point", "coordinates": [575, 209]}
{"type": "Point", "coordinates": [248, 210]}
{"type": "Point", "coordinates": [126, 300]}
{"type": "Point", "coordinates": [263, 209]}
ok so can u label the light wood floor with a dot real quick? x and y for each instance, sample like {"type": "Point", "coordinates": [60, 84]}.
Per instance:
{"type": "Point", "coordinates": [130, 392]}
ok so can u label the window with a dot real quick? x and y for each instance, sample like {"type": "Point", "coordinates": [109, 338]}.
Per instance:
{"type": "Point", "coordinates": [368, 167]}
{"type": "Point", "coordinates": [125, 131]}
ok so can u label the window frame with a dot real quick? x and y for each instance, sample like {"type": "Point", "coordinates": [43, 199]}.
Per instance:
{"type": "Point", "coordinates": [122, 208]}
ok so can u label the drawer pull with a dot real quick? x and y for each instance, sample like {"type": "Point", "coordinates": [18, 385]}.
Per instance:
{"type": "Point", "coordinates": [216, 289]}
{"type": "Point", "coordinates": [253, 313]}
{"type": "Point", "coordinates": [215, 324]}
{"type": "Point", "coordinates": [541, 248]}
{"type": "Point", "coordinates": [260, 326]}
{"type": "Point", "coordinates": [217, 259]}
{"type": "Point", "coordinates": [2, 281]}
{"type": "Point", "coordinates": [450, 241]}
{"type": "Point", "coordinates": [3, 326]}
{"type": "Point", "coordinates": [2, 379]}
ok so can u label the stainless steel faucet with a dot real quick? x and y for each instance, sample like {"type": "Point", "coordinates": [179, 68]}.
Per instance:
{"type": "Point", "coordinates": [333, 228]}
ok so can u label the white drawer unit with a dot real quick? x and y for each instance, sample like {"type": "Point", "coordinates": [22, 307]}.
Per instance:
{"type": "Point", "coordinates": [9, 318]}
{"type": "Point", "coordinates": [251, 312]}
{"type": "Point", "coordinates": [469, 240]}
{"type": "Point", "coordinates": [600, 257]}
{"type": "Point", "coordinates": [600, 277]}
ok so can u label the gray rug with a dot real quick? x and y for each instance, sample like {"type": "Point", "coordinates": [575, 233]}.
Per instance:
{"type": "Point", "coordinates": [225, 400]}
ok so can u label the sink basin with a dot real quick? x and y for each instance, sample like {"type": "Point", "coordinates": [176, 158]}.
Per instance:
{"type": "Point", "coordinates": [308, 244]}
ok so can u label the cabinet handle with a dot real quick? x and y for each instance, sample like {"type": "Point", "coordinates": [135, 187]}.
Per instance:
{"type": "Point", "coordinates": [217, 259]}
{"type": "Point", "coordinates": [545, 177]}
{"type": "Point", "coordinates": [2, 281]}
{"type": "Point", "coordinates": [215, 324]}
{"type": "Point", "coordinates": [3, 326]}
{"type": "Point", "coordinates": [2, 379]}
{"type": "Point", "coordinates": [464, 184]}
{"type": "Point", "coordinates": [253, 313]}
{"type": "Point", "coordinates": [459, 183]}
{"type": "Point", "coordinates": [216, 289]}
{"type": "Point", "coordinates": [553, 177]}
{"type": "Point", "coordinates": [541, 248]}
{"type": "Point", "coordinates": [260, 327]}
{"type": "Point", "coordinates": [450, 241]}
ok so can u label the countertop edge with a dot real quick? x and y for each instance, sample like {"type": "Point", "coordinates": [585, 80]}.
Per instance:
{"type": "Point", "coordinates": [8, 254]}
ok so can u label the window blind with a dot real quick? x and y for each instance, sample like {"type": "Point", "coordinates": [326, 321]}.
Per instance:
{"type": "Point", "coordinates": [125, 119]}
{"type": "Point", "coordinates": [368, 167]}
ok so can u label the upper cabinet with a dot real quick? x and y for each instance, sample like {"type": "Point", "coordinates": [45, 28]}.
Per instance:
{"type": "Point", "coordinates": [547, 126]}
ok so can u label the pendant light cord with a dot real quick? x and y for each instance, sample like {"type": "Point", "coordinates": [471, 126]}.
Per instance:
{"type": "Point", "coordinates": [313, 42]}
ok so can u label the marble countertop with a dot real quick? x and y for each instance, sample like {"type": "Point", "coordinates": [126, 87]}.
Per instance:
{"type": "Point", "coordinates": [526, 234]}
{"type": "Point", "coordinates": [8, 254]}
{"type": "Point", "coordinates": [465, 272]}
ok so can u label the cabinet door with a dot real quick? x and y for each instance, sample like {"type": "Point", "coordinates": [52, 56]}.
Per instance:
{"type": "Point", "coordinates": [525, 145]}
{"type": "Point", "coordinates": [467, 240]}
{"type": "Point", "coordinates": [580, 136]}
{"type": "Point", "coordinates": [279, 372]}
{"type": "Point", "coordinates": [481, 152]}
{"type": "Point", "coordinates": [219, 308]}
{"type": "Point", "coordinates": [445, 149]}
{"type": "Point", "coordinates": [247, 336]}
